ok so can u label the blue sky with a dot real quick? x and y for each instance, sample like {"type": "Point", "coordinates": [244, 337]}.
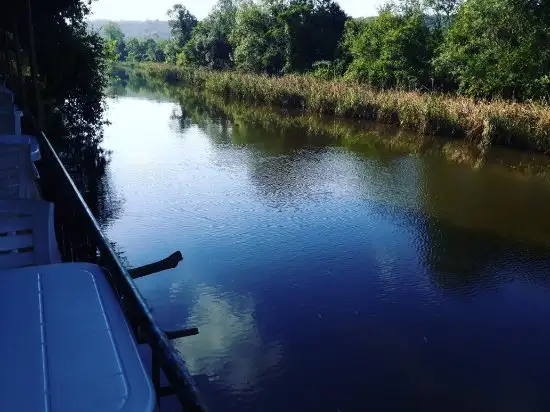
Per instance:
{"type": "Point", "coordinates": [156, 9]}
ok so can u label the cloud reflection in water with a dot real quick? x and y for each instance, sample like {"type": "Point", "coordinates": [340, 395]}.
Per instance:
{"type": "Point", "coordinates": [229, 349]}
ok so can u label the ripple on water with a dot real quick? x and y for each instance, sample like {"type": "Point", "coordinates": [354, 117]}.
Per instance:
{"type": "Point", "coordinates": [329, 278]}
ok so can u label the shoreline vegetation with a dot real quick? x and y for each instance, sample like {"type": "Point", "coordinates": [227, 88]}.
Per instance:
{"type": "Point", "coordinates": [294, 127]}
{"type": "Point", "coordinates": [432, 66]}
{"type": "Point", "coordinates": [482, 123]}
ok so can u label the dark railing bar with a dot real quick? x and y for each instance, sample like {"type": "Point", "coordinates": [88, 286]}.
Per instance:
{"type": "Point", "coordinates": [155, 377]}
{"type": "Point", "coordinates": [172, 364]}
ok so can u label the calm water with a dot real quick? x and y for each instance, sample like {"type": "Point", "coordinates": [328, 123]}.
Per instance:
{"type": "Point", "coordinates": [328, 278]}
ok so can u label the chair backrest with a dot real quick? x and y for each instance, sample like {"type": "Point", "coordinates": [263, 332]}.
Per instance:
{"type": "Point", "coordinates": [8, 122]}
{"type": "Point", "coordinates": [16, 172]}
{"type": "Point", "coordinates": [23, 139]}
{"type": "Point", "coordinates": [6, 99]}
{"type": "Point", "coordinates": [27, 235]}
{"type": "Point", "coordinates": [18, 115]}
{"type": "Point", "coordinates": [10, 115]}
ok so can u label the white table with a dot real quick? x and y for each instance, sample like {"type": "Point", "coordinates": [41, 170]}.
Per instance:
{"type": "Point", "coordinates": [66, 345]}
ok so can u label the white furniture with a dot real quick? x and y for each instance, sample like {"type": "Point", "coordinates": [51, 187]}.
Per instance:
{"type": "Point", "coordinates": [17, 115]}
{"type": "Point", "coordinates": [10, 123]}
{"type": "Point", "coordinates": [27, 235]}
{"type": "Point", "coordinates": [67, 346]}
{"type": "Point", "coordinates": [7, 98]}
{"type": "Point", "coordinates": [16, 172]}
{"type": "Point", "coordinates": [23, 139]}
{"type": "Point", "coordinates": [10, 115]}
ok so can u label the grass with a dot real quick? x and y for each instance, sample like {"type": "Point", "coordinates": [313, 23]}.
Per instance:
{"type": "Point", "coordinates": [484, 123]}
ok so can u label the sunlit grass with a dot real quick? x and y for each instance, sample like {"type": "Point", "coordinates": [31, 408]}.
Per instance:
{"type": "Point", "coordinates": [483, 122]}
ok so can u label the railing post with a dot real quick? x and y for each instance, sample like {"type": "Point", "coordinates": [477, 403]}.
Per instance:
{"type": "Point", "coordinates": [155, 377]}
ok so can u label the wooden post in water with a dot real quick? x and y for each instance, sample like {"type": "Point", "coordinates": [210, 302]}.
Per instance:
{"type": "Point", "coordinates": [168, 263]}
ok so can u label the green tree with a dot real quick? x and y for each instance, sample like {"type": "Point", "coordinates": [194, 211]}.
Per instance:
{"type": "Point", "coordinates": [391, 50]}
{"type": "Point", "coordinates": [499, 48]}
{"type": "Point", "coordinates": [259, 38]}
{"type": "Point", "coordinates": [182, 23]}
{"type": "Point", "coordinates": [209, 45]}
{"type": "Point", "coordinates": [442, 10]}
{"type": "Point", "coordinates": [110, 50]}
{"type": "Point", "coordinates": [153, 50]}
{"type": "Point", "coordinates": [171, 51]}
{"type": "Point", "coordinates": [115, 36]}
{"type": "Point", "coordinates": [136, 50]}
{"type": "Point", "coordinates": [112, 31]}
{"type": "Point", "coordinates": [314, 28]}
{"type": "Point", "coordinates": [71, 77]}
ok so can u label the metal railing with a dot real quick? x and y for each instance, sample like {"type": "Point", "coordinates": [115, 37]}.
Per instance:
{"type": "Point", "coordinates": [81, 239]}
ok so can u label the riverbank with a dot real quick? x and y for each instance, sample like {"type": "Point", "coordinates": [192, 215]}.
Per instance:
{"type": "Point", "coordinates": [364, 137]}
{"type": "Point", "coordinates": [499, 122]}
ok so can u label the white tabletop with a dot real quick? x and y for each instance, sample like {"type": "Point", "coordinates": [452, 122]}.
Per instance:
{"type": "Point", "coordinates": [66, 345]}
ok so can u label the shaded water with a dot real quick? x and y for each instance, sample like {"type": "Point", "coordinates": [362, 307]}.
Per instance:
{"type": "Point", "coordinates": [326, 275]}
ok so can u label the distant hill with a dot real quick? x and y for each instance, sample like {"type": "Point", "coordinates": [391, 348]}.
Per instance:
{"type": "Point", "coordinates": [140, 29]}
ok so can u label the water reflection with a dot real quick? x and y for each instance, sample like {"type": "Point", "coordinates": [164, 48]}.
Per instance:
{"type": "Point", "coordinates": [463, 264]}
{"type": "Point", "coordinates": [229, 349]}
{"type": "Point", "coordinates": [333, 267]}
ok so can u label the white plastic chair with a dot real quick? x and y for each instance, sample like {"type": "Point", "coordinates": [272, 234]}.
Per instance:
{"type": "Point", "coordinates": [7, 100]}
{"type": "Point", "coordinates": [27, 235]}
{"type": "Point", "coordinates": [16, 172]}
{"type": "Point", "coordinates": [23, 139]}
{"type": "Point", "coordinates": [8, 123]}
{"type": "Point", "coordinates": [10, 115]}
{"type": "Point", "coordinates": [18, 114]}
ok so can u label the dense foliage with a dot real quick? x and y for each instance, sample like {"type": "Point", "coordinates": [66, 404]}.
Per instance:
{"type": "Point", "coordinates": [70, 63]}
{"type": "Point", "coordinates": [480, 48]}
{"type": "Point", "coordinates": [499, 48]}
{"type": "Point", "coordinates": [70, 74]}
{"type": "Point", "coordinates": [392, 50]}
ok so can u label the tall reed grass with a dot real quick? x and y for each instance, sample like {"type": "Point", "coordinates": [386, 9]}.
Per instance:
{"type": "Point", "coordinates": [521, 125]}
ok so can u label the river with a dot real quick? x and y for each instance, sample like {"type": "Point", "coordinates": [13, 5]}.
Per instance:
{"type": "Point", "coordinates": [326, 276]}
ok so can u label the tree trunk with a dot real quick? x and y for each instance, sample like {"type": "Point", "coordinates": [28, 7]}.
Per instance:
{"type": "Point", "coordinates": [19, 64]}
{"type": "Point", "coordinates": [34, 69]}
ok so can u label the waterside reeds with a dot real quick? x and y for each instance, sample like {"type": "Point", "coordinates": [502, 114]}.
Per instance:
{"type": "Point", "coordinates": [524, 125]}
